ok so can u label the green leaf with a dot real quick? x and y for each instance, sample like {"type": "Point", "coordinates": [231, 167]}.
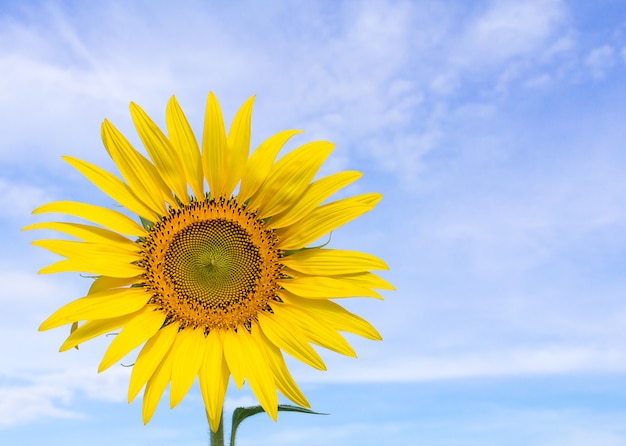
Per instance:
{"type": "Point", "coordinates": [241, 413]}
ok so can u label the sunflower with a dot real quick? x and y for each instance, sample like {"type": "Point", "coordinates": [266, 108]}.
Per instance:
{"type": "Point", "coordinates": [218, 282]}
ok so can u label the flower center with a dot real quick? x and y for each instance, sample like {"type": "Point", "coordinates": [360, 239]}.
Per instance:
{"type": "Point", "coordinates": [211, 264]}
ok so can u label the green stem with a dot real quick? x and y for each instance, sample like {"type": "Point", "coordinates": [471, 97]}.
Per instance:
{"type": "Point", "coordinates": [217, 438]}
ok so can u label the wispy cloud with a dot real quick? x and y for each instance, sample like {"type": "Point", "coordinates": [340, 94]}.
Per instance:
{"type": "Point", "coordinates": [19, 198]}
{"type": "Point", "coordinates": [53, 395]}
{"type": "Point", "coordinates": [505, 30]}
{"type": "Point", "coordinates": [600, 59]}
{"type": "Point", "coordinates": [494, 130]}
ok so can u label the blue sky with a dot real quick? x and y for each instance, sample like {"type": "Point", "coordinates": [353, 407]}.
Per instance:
{"type": "Point", "coordinates": [494, 130]}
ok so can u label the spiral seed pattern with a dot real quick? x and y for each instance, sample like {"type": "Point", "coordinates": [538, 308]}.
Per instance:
{"type": "Point", "coordinates": [211, 264]}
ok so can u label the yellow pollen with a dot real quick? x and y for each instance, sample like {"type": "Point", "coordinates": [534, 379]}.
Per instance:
{"type": "Point", "coordinates": [211, 264]}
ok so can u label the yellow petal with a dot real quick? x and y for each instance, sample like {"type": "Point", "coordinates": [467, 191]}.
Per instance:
{"type": "Point", "coordinates": [238, 146]}
{"type": "Point", "coordinates": [289, 338]}
{"type": "Point", "coordinates": [259, 375]}
{"type": "Point", "coordinates": [284, 381]}
{"type": "Point", "coordinates": [87, 233]}
{"type": "Point", "coordinates": [135, 332]}
{"type": "Point", "coordinates": [213, 379]}
{"type": "Point", "coordinates": [102, 216]}
{"type": "Point", "coordinates": [334, 315]}
{"type": "Point", "coordinates": [188, 350]}
{"type": "Point", "coordinates": [79, 250]}
{"type": "Point", "coordinates": [314, 287]}
{"type": "Point", "coordinates": [331, 262]}
{"type": "Point", "coordinates": [315, 329]}
{"type": "Point", "coordinates": [103, 305]}
{"type": "Point", "coordinates": [155, 387]}
{"type": "Point", "coordinates": [112, 186]}
{"type": "Point", "coordinates": [91, 258]}
{"type": "Point", "coordinates": [102, 283]}
{"type": "Point", "coordinates": [315, 194]}
{"type": "Point", "coordinates": [290, 178]}
{"type": "Point", "coordinates": [214, 148]}
{"type": "Point", "coordinates": [367, 279]}
{"type": "Point", "coordinates": [150, 357]}
{"type": "Point", "coordinates": [139, 173]}
{"type": "Point", "coordinates": [91, 329]}
{"type": "Point", "coordinates": [325, 219]}
{"type": "Point", "coordinates": [98, 266]}
{"type": "Point", "coordinates": [163, 155]}
{"type": "Point", "coordinates": [260, 163]}
{"type": "Point", "coordinates": [184, 141]}
{"type": "Point", "coordinates": [235, 356]}
{"type": "Point", "coordinates": [113, 305]}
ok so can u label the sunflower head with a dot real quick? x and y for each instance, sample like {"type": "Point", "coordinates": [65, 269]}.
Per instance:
{"type": "Point", "coordinates": [213, 266]}
{"type": "Point", "coordinates": [214, 276]}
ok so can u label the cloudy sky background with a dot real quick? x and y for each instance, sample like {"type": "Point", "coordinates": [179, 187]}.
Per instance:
{"type": "Point", "coordinates": [496, 133]}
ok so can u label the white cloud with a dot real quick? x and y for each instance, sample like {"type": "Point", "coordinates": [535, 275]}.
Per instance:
{"type": "Point", "coordinates": [353, 73]}
{"type": "Point", "coordinates": [505, 31]}
{"type": "Point", "coordinates": [515, 361]}
{"type": "Point", "coordinates": [28, 288]}
{"type": "Point", "coordinates": [24, 404]}
{"type": "Point", "coordinates": [488, 424]}
{"type": "Point", "coordinates": [540, 81]}
{"type": "Point", "coordinates": [230, 403]}
{"type": "Point", "coordinates": [554, 425]}
{"type": "Point", "coordinates": [510, 29]}
{"type": "Point", "coordinates": [419, 89]}
{"type": "Point", "coordinates": [52, 395]}
{"type": "Point", "coordinates": [37, 381]}
{"type": "Point", "coordinates": [18, 198]}
{"type": "Point", "coordinates": [600, 60]}
{"type": "Point", "coordinates": [347, 433]}
{"type": "Point", "coordinates": [345, 71]}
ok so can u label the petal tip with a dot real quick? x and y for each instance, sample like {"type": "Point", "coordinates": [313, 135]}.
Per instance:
{"type": "Point", "coordinates": [104, 364]}
{"type": "Point", "coordinates": [67, 346]}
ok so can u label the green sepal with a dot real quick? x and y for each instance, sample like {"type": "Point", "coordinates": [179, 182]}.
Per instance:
{"type": "Point", "coordinates": [241, 413]}
{"type": "Point", "coordinates": [147, 224]}
{"type": "Point", "coordinates": [73, 329]}
{"type": "Point", "coordinates": [291, 252]}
